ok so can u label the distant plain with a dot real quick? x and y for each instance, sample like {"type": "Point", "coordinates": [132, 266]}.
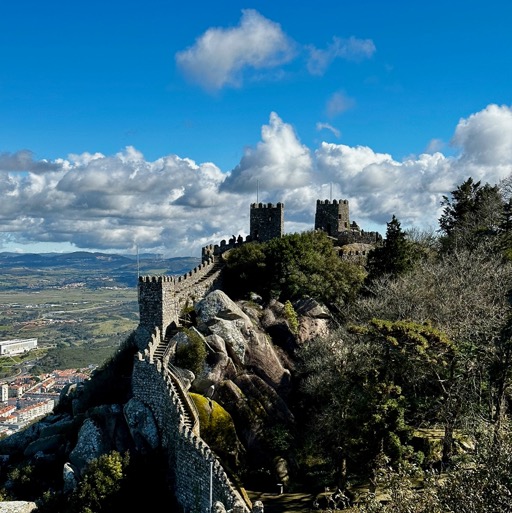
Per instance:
{"type": "Point", "coordinates": [80, 306]}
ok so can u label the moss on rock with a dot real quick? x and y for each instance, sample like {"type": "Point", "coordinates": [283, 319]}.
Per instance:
{"type": "Point", "coordinates": [217, 428]}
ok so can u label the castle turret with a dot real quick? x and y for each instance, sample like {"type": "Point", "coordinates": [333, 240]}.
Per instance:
{"type": "Point", "coordinates": [267, 221]}
{"type": "Point", "coordinates": [332, 217]}
{"type": "Point", "coordinates": [157, 302]}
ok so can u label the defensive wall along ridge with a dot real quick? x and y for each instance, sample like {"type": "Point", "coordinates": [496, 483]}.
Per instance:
{"type": "Point", "coordinates": [163, 298]}
{"type": "Point", "coordinates": [200, 479]}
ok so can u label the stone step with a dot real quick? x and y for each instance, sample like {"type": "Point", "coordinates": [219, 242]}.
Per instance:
{"type": "Point", "coordinates": [186, 417]}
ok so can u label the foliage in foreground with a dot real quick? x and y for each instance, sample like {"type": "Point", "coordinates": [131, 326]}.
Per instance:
{"type": "Point", "coordinates": [112, 483]}
{"type": "Point", "coordinates": [481, 483]}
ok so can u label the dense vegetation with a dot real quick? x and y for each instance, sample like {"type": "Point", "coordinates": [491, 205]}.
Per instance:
{"type": "Point", "coordinates": [425, 346]}
{"type": "Point", "coordinates": [294, 266]}
{"type": "Point", "coordinates": [422, 347]}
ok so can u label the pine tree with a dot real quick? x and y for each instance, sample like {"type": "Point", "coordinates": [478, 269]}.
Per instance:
{"type": "Point", "coordinates": [394, 257]}
{"type": "Point", "coordinates": [471, 215]}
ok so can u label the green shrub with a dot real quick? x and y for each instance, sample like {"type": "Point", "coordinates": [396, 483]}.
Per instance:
{"type": "Point", "coordinates": [291, 317]}
{"type": "Point", "coordinates": [101, 483]}
{"type": "Point", "coordinates": [191, 356]}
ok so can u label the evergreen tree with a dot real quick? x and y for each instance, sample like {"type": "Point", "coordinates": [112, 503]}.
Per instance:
{"type": "Point", "coordinates": [472, 215]}
{"type": "Point", "coordinates": [394, 257]}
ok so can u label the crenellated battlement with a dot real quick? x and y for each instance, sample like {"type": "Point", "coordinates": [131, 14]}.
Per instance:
{"type": "Point", "coordinates": [333, 202]}
{"type": "Point", "coordinates": [192, 460]}
{"type": "Point", "coordinates": [332, 217]}
{"type": "Point", "coordinates": [267, 221]}
{"type": "Point", "coordinates": [278, 206]}
{"type": "Point", "coordinates": [216, 250]}
{"type": "Point", "coordinates": [155, 279]}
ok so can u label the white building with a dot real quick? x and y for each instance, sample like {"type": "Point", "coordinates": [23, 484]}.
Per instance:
{"type": "Point", "coordinates": [4, 392]}
{"type": "Point", "coordinates": [17, 346]}
{"type": "Point", "coordinates": [35, 410]}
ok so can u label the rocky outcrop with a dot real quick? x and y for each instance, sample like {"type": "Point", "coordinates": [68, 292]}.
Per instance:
{"type": "Point", "coordinates": [142, 425]}
{"type": "Point", "coordinates": [17, 507]}
{"type": "Point", "coordinates": [218, 305]}
{"type": "Point", "coordinates": [69, 477]}
{"type": "Point", "coordinates": [236, 342]}
{"type": "Point", "coordinates": [91, 444]}
{"type": "Point", "coordinates": [46, 445]}
{"type": "Point", "coordinates": [246, 371]}
{"type": "Point", "coordinates": [314, 320]}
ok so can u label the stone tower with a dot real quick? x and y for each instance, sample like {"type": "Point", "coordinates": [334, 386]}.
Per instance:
{"type": "Point", "coordinates": [332, 217]}
{"type": "Point", "coordinates": [267, 221]}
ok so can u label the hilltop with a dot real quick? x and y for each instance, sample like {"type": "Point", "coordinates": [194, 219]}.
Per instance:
{"type": "Point", "coordinates": [385, 380]}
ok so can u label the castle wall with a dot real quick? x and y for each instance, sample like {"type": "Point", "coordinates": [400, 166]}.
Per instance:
{"type": "Point", "coordinates": [191, 459]}
{"type": "Point", "coordinates": [359, 236]}
{"type": "Point", "coordinates": [216, 250]}
{"type": "Point", "coordinates": [267, 221]}
{"type": "Point", "coordinates": [162, 298]}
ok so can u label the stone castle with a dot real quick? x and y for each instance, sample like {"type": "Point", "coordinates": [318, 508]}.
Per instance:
{"type": "Point", "coordinates": [200, 480]}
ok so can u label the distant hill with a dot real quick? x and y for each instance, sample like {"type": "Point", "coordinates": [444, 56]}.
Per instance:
{"type": "Point", "coordinates": [27, 269]}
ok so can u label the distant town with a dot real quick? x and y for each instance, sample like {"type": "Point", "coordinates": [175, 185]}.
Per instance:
{"type": "Point", "coordinates": [26, 398]}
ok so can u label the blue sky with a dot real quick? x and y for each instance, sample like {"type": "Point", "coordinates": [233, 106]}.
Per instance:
{"type": "Point", "coordinates": [149, 124]}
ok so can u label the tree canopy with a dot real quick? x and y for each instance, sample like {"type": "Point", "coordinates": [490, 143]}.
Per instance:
{"type": "Point", "coordinates": [291, 267]}
{"type": "Point", "coordinates": [395, 256]}
{"type": "Point", "coordinates": [472, 213]}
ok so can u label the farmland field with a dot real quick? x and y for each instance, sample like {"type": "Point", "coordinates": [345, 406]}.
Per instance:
{"type": "Point", "coordinates": [80, 310]}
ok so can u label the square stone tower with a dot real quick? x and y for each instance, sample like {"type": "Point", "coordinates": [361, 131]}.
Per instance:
{"type": "Point", "coordinates": [267, 221]}
{"type": "Point", "coordinates": [332, 217]}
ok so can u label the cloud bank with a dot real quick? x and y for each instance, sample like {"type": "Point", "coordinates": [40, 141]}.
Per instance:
{"type": "Point", "coordinates": [175, 205]}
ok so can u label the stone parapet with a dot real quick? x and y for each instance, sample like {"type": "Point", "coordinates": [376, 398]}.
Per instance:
{"type": "Point", "coordinates": [162, 298]}
{"type": "Point", "coordinates": [195, 467]}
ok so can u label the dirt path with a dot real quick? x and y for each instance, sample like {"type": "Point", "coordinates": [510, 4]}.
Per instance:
{"type": "Point", "coordinates": [284, 503]}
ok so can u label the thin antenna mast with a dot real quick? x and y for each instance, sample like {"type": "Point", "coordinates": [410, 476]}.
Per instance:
{"type": "Point", "coordinates": [331, 193]}
{"type": "Point", "coordinates": [138, 265]}
{"type": "Point", "coordinates": [257, 191]}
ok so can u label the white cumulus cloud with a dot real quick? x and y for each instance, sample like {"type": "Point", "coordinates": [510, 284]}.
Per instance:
{"type": "Point", "coordinates": [485, 136]}
{"type": "Point", "coordinates": [279, 161]}
{"type": "Point", "coordinates": [221, 55]}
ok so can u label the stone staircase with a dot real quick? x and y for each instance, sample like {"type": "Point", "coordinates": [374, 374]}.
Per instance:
{"type": "Point", "coordinates": [190, 414]}
{"type": "Point", "coordinates": [160, 350]}
{"type": "Point", "coordinates": [218, 264]}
